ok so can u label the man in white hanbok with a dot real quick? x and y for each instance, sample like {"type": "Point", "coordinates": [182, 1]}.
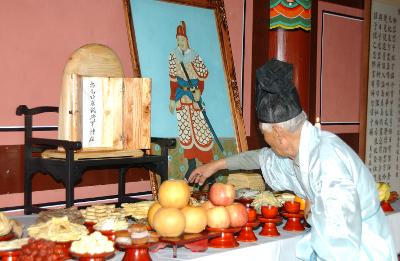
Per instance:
{"type": "Point", "coordinates": [347, 222]}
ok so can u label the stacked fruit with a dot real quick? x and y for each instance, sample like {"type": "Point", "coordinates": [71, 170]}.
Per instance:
{"type": "Point", "coordinates": [222, 211]}
{"type": "Point", "coordinates": [171, 215]}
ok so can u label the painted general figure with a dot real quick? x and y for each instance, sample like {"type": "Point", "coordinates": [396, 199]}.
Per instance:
{"type": "Point", "coordinates": [194, 134]}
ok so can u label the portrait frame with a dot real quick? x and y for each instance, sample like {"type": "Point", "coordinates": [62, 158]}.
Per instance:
{"type": "Point", "coordinates": [217, 10]}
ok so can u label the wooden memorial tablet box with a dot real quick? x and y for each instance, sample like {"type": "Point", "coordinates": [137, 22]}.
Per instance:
{"type": "Point", "coordinates": [109, 115]}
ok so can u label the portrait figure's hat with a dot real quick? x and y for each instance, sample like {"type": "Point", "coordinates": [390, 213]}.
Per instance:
{"type": "Point", "coordinates": [181, 29]}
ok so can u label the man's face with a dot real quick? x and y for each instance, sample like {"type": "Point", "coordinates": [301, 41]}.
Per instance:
{"type": "Point", "coordinates": [182, 42]}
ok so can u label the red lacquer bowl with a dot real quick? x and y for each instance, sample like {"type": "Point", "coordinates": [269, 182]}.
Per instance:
{"type": "Point", "coordinates": [269, 211]}
{"type": "Point", "coordinates": [8, 237]}
{"type": "Point", "coordinates": [227, 238]}
{"type": "Point", "coordinates": [386, 207]}
{"type": "Point", "coordinates": [110, 234]}
{"type": "Point", "coordinates": [247, 234]}
{"type": "Point", "coordinates": [292, 207]}
{"type": "Point", "coordinates": [245, 201]}
{"type": "Point", "coordinates": [10, 255]}
{"type": "Point", "coordinates": [89, 226]}
{"type": "Point", "coordinates": [91, 257]}
{"type": "Point", "coordinates": [135, 252]}
{"type": "Point", "coordinates": [251, 214]}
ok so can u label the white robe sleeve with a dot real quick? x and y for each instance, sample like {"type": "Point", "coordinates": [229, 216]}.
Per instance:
{"type": "Point", "coordinates": [336, 215]}
{"type": "Point", "coordinates": [278, 172]}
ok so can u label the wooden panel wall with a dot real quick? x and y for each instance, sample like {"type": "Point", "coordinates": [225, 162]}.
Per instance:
{"type": "Point", "coordinates": [40, 36]}
{"type": "Point", "coordinates": [350, 133]}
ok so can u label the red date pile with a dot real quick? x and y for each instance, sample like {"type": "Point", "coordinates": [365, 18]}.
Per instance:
{"type": "Point", "coordinates": [42, 250]}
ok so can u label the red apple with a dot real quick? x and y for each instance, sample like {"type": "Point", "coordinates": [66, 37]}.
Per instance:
{"type": "Point", "coordinates": [207, 205]}
{"type": "Point", "coordinates": [222, 194]}
{"type": "Point", "coordinates": [218, 217]}
{"type": "Point", "coordinates": [237, 214]}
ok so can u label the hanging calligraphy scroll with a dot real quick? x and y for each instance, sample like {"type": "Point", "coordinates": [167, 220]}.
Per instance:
{"type": "Point", "coordinates": [383, 116]}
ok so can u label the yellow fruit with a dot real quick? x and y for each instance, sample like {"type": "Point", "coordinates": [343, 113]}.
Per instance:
{"type": "Point", "coordinates": [301, 201]}
{"type": "Point", "coordinates": [152, 210]}
{"type": "Point", "coordinates": [169, 222]}
{"type": "Point", "coordinates": [383, 191]}
{"type": "Point", "coordinates": [174, 194]}
{"type": "Point", "coordinates": [196, 219]}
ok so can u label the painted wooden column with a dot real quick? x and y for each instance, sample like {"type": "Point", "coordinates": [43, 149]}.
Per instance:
{"type": "Point", "coordinates": [290, 41]}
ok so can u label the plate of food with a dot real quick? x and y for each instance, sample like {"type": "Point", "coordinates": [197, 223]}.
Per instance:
{"type": "Point", "coordinates": [95, 246]}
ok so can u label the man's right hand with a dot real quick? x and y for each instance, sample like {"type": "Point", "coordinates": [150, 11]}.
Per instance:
{"type": "Point", "coordinates": [200, 174]}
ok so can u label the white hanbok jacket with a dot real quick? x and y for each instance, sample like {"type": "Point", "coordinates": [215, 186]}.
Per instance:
{"type": "Point", "coordinates": [346, 219]}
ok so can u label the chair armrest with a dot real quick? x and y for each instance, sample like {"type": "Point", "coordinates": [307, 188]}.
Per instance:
{"type": "Point", "coordinates": [168, 143]}
{"type": "Point", "coordinates": [29, 140]}
{"type": "Point", "coordinates": [165, 144]}
{"type": "Point", "coordinates": [24, 110]}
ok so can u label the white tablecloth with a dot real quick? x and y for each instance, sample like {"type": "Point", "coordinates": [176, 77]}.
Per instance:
{"type": "Point", "coordinates": [280, 248]}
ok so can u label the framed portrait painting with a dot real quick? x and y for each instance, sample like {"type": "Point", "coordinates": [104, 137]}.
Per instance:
{"type": "Point", "coordinates": [183, 46]}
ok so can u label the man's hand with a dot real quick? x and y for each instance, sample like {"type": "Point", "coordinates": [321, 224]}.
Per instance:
{"type": "Point", "coordinates": [200, 174]}
{"type": "Point", "coordinates": [171, 106]}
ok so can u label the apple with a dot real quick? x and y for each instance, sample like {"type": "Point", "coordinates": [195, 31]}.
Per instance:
{"type": "Point", "coordinates": [207, 205]}
{"type": "Point", "coordinates": [222, 194]}
{"type": "Point", "coordinates": [218, 217]}
{"type": "Point", "coordinates": [237, 214]}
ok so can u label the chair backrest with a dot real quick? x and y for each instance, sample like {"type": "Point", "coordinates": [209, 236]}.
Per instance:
{"type": "Point", "coordinates": [121, 106]}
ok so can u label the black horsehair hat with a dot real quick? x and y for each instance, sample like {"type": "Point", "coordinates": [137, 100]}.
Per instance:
{"type": "Point", "coordinates": [276, 96]}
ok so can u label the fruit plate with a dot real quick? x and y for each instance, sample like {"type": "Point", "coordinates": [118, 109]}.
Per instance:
{"type": "Point", "coordinates": [92, 257]}
{"type": "Point", "coordinates": [195, 242]}
{"type": "Point", "coordinates": [189, 238]}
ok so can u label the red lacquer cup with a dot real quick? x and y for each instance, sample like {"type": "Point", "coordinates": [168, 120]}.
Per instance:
{"type": "Point", "coordinates": [269, 211]}
{"type": "Point", "coordinates": [292, 207]}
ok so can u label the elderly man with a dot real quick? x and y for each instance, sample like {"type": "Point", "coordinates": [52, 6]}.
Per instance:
{"type": "Point", "coordinates": [346, 220]}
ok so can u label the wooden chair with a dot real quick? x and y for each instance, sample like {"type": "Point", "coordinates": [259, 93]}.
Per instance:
{"type": "Point", "coordinates": [93, 60]}
{"type": "Point", "coordinates": [69, 171]}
